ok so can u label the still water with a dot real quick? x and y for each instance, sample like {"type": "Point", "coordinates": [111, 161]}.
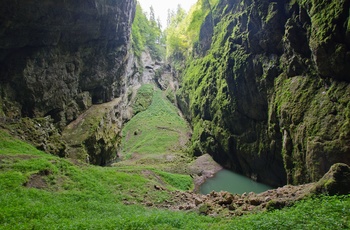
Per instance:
{"type": "Point", "coordinates": [226, 180]}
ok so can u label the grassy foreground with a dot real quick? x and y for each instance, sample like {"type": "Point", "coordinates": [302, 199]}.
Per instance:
{"type": "Point", "coordinates": [89, 197]}
{"type": "Point", "coordinates": [41, 191]}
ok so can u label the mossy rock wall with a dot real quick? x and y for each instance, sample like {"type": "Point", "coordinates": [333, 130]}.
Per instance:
{"type": "Point", "coordinates": [95, 135]}
{"type": "Point", "coordinates": [57, 60]}
{"type": "Point", "coordinates": [262, 100]}
{"type": "Point", "coordinates": [60, 60]}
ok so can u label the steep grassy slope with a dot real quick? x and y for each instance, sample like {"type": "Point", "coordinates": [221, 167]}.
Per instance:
{"type": "Point", "coordinates": [40, 191]}
{"type": "Point", "coordinates": [157, 130]}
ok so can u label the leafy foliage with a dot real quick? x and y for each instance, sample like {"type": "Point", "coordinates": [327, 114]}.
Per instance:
{"type": "Point", "coordinates": [183, 30]}
{"type": "Point", "coordinates": [177, 41]}
{"type": "Point", "coordinates": [147, 34]}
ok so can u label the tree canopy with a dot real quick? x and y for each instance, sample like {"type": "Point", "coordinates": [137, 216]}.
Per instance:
{"type": "Point", "coordinates": [147, 34]}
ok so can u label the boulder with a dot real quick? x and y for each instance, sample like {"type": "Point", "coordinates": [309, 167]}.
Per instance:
{"type": "Point", "coordinates": [335, 182]}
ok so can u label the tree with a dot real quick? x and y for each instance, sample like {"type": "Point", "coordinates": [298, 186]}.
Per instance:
{"type": "Point", "coordinates": [147, 34]}
{"type": "Point", "coordinates": [152, 16]}
{"type": "Point", "coordinates": [170, 16]}
{"type": "Point", "coordinates": [176, 41]}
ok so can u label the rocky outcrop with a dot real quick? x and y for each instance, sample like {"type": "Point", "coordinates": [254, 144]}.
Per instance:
{"type": "Point", "coordinates": [40, 132]}
{"type": "Point", "coordinates": [270, 97]}
{"type": "Point", "coordinates": [334, 182]}
{"type": "Point", "coordinates": [95, 135]}
{"type": "Point", "coordinates": [57, 58]}
{"type": "Point", "coordinates": [53, 53]}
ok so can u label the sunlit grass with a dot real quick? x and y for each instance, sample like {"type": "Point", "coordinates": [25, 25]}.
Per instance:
{"type": "Point", "coordinates": [92, 197]}
{"type": "Point", "coordinates": [156, 130]}
{"type": "Point", "coordinates": [143, 98]}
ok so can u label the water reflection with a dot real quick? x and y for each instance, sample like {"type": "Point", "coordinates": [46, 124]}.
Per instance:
{"type": "Point", "coordinates": [226, 180]}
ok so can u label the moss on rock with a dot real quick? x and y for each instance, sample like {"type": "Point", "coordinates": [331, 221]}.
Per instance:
{"type": "Point", "coordinates": [268, 99]}
{"type": "Point", "coordinates": [40, 132]}
{"type": "Point", "coordinates": [335, 182]}
{"type": "Point", "coordinates": [95, 135]}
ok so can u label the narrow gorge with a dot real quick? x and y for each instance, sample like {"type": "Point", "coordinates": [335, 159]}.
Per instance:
{"type": "Point", "coordinates": [260, 86]}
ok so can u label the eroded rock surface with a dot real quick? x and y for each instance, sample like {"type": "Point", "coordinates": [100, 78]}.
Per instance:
{"type": "Point", "coordinates": [334, 182]}
{"type": "Point", "coordinates": [58, 58]}
{"type": "Point", "coordinates": [270, 97]}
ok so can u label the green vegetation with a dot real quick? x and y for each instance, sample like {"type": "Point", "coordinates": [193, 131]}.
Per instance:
{"type": "Point", "coordinates": [323, 14]}
{"type": "Point", "coordinates": [304, 107]}
{"type": "Point", "coordinates": [176, 41]}
{"type": "Point", "coordinates": [143, 98]}
{"type": "Point", "coordinates": [305, 215]}
{"type": "Point", "coordinates": [226, 91]}
{"type": "Point", "coordinates": [40, 132]}
{"type": "Point", "coordinates": [88, 136]}
{"type": "Point", "coordinates": [147, 34]}
{"type": "Point", "coordinates": [178, 181]}
{"type": "Point", "coordinates": [183, 30]}
{"type": "Point", "coordinates": [157, 130]}
{"type": "Point", "coordinates": [212, 106]}
{"type": "Point", "coordinates": [41, 191]}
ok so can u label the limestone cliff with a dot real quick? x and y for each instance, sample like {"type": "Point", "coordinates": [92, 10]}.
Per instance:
{"type": "Point", "coordinates": [58, 58]}
{"type": "Point", "coordinates": [269, 94]}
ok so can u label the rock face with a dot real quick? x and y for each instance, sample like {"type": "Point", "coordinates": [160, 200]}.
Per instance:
{"type": "Point", "coordinates": [270, 98]}
{"type": "Point", "coordinates": [57, 58]}
{"type": "Point", "coordinates": [335, 182]}
{"type": "Point", "coordinates": [52, 53]}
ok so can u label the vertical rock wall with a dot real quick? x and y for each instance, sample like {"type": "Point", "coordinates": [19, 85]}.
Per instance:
{"type": "Point", "coordinates": [270, 98]}
{"type": "Point", "coordinates": [57, 59]}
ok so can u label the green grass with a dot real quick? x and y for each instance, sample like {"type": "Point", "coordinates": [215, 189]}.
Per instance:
{"type": "Point", "coordinates": [157, 130]}
{"type": "Point", "coordinates": [92, 197]}
{"type": "Point", "coordinates": [314, 213]}
{"type": "Point", "coordinates": [78, 197]}
{"type": "Point", "coordinates": [178, 181]}
{"type": "Point", "coordinates": [143, 98]}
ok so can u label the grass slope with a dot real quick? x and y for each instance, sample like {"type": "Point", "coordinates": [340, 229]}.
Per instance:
{"type": "Point", "coordinates": [157, 130]}
{"type": "Point", "coordinates": [41, 191]}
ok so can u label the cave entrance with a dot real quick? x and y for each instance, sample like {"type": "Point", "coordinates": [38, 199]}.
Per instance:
{"type": "Point", "coordinates": [98, 95]}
